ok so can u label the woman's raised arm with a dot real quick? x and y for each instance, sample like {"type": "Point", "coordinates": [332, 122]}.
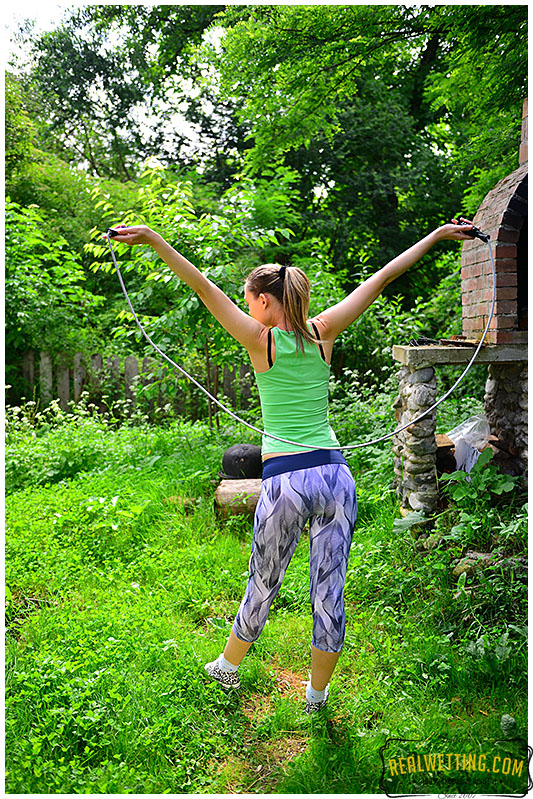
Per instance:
{"type": "Point", "coordinates": [334, 320]}
{"type": "Point", "coordinates": [239, 324]}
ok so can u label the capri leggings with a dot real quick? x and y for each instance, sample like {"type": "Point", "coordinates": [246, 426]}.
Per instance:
{"type": "Point", "coordinates": [324, 495]}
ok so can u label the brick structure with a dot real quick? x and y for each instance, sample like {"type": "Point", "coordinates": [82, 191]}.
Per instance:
{"type": "Point", "coordinates": [503, 215]}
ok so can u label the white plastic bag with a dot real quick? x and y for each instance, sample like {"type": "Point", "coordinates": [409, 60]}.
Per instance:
{"type": "Point", "coordinates": [465, 455]}
{"type": "Point", "coordinates": [475, 431]}
{"type": "Point", "coordinates": [469, 438]}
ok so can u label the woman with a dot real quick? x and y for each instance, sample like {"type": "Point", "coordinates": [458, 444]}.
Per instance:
{"type": "Point", "coordinates": [306, 481]}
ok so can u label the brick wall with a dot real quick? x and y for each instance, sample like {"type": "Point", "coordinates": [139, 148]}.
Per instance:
{"type": "Point", "coordinates": [502, 215]}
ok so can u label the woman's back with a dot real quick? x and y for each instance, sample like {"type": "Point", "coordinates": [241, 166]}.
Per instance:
{"type": "Point", "coordinates": [294, 397]}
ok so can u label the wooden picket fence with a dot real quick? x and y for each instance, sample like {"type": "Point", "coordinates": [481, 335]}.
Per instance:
{"type": "Point", "coordinates": [130, 378]}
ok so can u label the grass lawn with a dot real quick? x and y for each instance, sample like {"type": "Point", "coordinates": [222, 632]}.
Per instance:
{"type": "Point", "coordinates": [122, 582]}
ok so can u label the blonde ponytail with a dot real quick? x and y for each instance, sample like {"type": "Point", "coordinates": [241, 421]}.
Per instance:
{"type": "Point", "coordinates": [291, 287]}
{"type": "Point", "coordinates": [296, 297]}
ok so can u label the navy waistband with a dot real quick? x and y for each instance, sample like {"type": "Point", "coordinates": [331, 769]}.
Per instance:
{"type": "Point", "coordinates": [301, 460]}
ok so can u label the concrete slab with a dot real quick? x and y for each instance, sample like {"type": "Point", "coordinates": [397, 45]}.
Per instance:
{"type": "Point", "coordinates": [421, 357]}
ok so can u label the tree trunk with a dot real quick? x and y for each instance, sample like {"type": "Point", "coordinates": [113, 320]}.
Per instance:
{"type": "Point", "coordinates": [237, 497]}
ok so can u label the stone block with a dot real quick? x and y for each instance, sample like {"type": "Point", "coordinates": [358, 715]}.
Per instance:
{"type": "Point", "coordinates": [421, 446]}
{"type": "Point", "coordinates": [422, 396]}
{"type": "Point", "coordinates": [419, 467]}
{"type": "Point", "coordinates": [426, 375]}
{"type": "Point", "coordinates": [423, 500]}
{"type": "Point", "coordinates": [422, 429]}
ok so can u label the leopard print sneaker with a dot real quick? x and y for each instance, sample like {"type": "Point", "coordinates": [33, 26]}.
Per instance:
{"type": "Point", "coordinates": [227, 679]}
{"type": "Point", "coordinates": [314, 707]}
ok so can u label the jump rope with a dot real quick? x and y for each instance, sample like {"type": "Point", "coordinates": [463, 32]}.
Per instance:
{"type": "Point", "coordinates": [474, 233]}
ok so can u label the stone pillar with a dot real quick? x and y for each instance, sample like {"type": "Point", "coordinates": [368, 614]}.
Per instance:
{"type": "Point", "coordinates": [506, 407]}
{"type": "Point", "coordinates": [522, 420]}
{"type": "Point", "coordinates": [415, 447]}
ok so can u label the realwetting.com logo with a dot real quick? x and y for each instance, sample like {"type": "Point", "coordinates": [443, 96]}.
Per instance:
{"type": "Point", "coordinates": [447, 762]}
{"type": "Point", "coordinates": [410, 769]}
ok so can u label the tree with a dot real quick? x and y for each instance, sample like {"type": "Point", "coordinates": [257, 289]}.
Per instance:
{"type": "Point", "coordinates": [47, 306]}
{"type": "Point", "coordinates": [292, 66]}
{"type": "Point", "coordinates": [21, 134]}
{"type": "Point", "coordinates": [357, 127]}
{"type": "Point", "coordinates": [110, 78]}
{"type": "Point", "coordinates": [375, 188]}
{"type": "Point", "coordinates": [226, 245]}
{"type": "Point", "coordinates": [480, 93]}
{"type": "Point", "coordinates": [372, 107]}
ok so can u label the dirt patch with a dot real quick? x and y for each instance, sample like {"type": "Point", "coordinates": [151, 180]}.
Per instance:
{"type": "Point", "coordinates": [265, 761]}
{"type": "Point", "coordinates": [273, 757]}
{"type": "Point", "coordinates": [232, 774]}
{"type": "Point", "coordinates": [284, 749]}
{"type": "Point", "coordinates": [288, 682]}
{"type": "Point", "coordinates": [256, 706]}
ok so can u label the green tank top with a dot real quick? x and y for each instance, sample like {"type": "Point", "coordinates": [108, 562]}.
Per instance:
{"type": "Point", "coordinates": [294, 397]}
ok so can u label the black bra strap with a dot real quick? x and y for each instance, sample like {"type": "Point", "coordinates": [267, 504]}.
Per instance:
{"type": "Point", "coordinates": [315, 331]}
{"type": "Point", "coordinates": [269, 348]}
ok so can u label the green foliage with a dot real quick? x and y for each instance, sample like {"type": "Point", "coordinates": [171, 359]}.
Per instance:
{"type": "Point", "coordinates": [20, 130]}
{"type": "Point", "coordinates": [482, 481]}
{"type": "Point", "coordinates": [361, 145]}
{"type": "Point", "coordinates": [37, 176]}
{"type": "Point", "coordinates": [132, 57]}
{"type": "Point", "coordinates": [488, 513]}
{"type": "Point", "coordinates": [121, 582]}
{"type": "Point", "coordinates": [378, 110]}
{"type": "Point", "coordinates": [50, 446]}
{"type": "Point", "coordinates": [251, 221]}
{"type": "Point", "coordinates": [367, 126]}
{"type": "Point", "coordinates": [293, 64]}
{"type": "Point", "coordinates": [363, 352]}
{"type": "Point", "coordinates": [410, 520]}
{"type": "Point", "coordinates": [47, 306]}
{"type": "Point", "coordinates": [488, 47]}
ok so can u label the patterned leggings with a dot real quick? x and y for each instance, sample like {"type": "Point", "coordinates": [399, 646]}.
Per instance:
{"type": "Point", "coordinates": [324, 495]}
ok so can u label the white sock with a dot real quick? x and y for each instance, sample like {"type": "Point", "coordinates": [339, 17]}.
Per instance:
{"type": "Point", "coordinates": [313, 695]}
{"type": "Point", "coordinates": [225, 665]}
